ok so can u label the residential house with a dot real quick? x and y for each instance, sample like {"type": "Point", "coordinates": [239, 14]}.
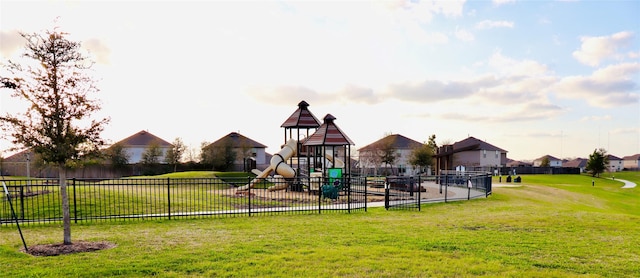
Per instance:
{"type": "Point", "coordinates": [470, 153]}
{"type": "Point", "coordinates": [136, 144]}
{"type": "Point", "coordinates": [553, 161]}
{"type": "Point", "coordinates": [615, 163]}
{"type": "Point", "coordinates": [516, 163]}
{"type": "Point", "coordinates": [631, 162]}
{"type": "Point", "coordinates": [580, 163]}
{"type": "Point", "coordinates": [249, 153]}
{"type": "Point", "coordinates": [370, 155]}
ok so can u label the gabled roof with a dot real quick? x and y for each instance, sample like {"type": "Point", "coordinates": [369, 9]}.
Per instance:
{"type": "Point", "coordinates": [301, 118]}
{"type": "Point", "coordinates": [237, 140]}
{"type": "Point", "coordinates": [397, 141]}
{"type": "Point", "coordinates": [473, 144]}
{"type": "Point", "coordinates": [577, 163]}
{"type": "Point", "coordinates": [613, 157]}
{"type": "Point", "coordinates": [632, 157]}
{"type": "Point", "coordinates": [517, 163]}
{"type": "Point", "coordinates": [20, 156]}
{"type": "Point", "coordinates": [551, 158]}
{"type": "Point", "coordinates": [143, 138]}
{"type": "Point", "coordinates": [328, 134]}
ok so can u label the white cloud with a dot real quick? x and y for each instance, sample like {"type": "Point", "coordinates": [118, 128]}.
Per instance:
{"type": "Point", "coordinates": [628, 130]}
{"type": "Point", "coordinates": [511, 67]}
{"type": "Point", "coordinates": [98, 49]}
{"type": "Point", "coordinates": [10, 43]}
{"type": "Point", "coordinates": [607, 87]}
{"type": "Point", "coordinates": [490, 24]}
{"type": "Point", "coordinates": [464, 35]}
{"type": "Point", "coordinates": [595, 49]}
{"type": "Point", "coordinates": [596, 118]}
{"type": "Point", "coordinates": [502, 2]}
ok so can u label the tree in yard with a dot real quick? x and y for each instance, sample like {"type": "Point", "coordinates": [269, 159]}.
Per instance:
{"type": "Point", "coordinates": [175, 153]}
{"type": "Point", "coordinates": [151, 155]}
{"type": "Point", "coordinates": [118, 156]}
{"type": "Point", "coordinates": [221, 156]}
{"type": "Point", "coordinates": [546, 162]}
{"type": "Point", "coordinates": [423, 155]}
{"type": "Point", "coordinates": [387, 152]}
{"type": "Point", "coordinates": [597, 162]}
{"type": "Point", "coordinates": [57, 88]}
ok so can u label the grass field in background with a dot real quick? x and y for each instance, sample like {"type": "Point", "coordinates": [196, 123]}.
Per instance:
{"type": "Point", "coordinates": [550, 226]}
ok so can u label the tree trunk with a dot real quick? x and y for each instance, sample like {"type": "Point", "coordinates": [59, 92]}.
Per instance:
{"type": "Point", "coordinates": [66, 218]}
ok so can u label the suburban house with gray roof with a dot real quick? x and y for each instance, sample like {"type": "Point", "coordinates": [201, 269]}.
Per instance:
{"type": "Point", "coordinates": [615, 163]}
{"type": "Point", "coordinates": [631, 162]}
{"type": "Point", "coordinates": [369, 155]}
{"type": "Point", "coordinates": [553, 161]}
{"type": "Point", "coordinates": [136, 144]}
{"type": "Point", "coordinates": [470, 153]}
{"type": "Point", "coordinates": [580, 163]}
{"type": "Point", "coordinates": [246, 149]}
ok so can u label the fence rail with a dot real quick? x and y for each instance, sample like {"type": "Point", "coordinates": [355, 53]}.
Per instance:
{"type": "Point", "coordinates": [92, 200]}
{"type": "Point", "coordinates": [39, 200]}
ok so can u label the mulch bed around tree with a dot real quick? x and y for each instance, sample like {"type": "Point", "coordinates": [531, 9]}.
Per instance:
{"type": "Point", "coordinates": [62, 249]}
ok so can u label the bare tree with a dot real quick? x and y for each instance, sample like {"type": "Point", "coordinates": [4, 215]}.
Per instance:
{"type": "Point", "coordinates": [57, 89]}
{"type": "Point", "coordinates": [175, 153]}
{"type": "Point", "coordinates": [423, 155]}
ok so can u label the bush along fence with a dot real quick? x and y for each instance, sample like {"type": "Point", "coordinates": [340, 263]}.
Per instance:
{"type": "Point", "coordinates": [38, 200]}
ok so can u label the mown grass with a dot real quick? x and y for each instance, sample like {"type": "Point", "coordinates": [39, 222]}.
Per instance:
{"type": "Point", "coordinates": [552, 226]}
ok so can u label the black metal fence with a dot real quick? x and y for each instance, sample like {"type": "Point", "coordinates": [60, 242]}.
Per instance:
{"type": "Point", "coordinates": [38, 201]}
{"type": "Point", "coordinates": [460, 181]}
{"type": "Point", "coordinates": [403, 192]}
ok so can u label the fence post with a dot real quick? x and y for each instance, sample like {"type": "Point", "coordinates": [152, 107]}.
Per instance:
{"type": "Point", "coordinates": [419, 197]}
{"type": "Point", "coordinates": [169, 198]}
{"type": "Point", "coordinates": [249, 195]}
{"type": "Point", "coordinates": [75, 205]}
{"type": "Point", "coordinates": [22, 202]}
{"type": "Point", "coordinates": [320, 184]}
{"type": "Point", "coordinates": [349, 193]}
{"type": "Point", "coordinates": [386, 195]}
{"type": "Point", "coordinates": [366, 194]}
{"type": "Point", "coordinates": [446, 188]}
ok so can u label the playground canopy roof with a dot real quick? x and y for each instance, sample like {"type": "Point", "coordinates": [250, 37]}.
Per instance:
{"type": "Point", "coordinates": [328, 134]}
{"type": "Point", "coordinates": [301, 118]}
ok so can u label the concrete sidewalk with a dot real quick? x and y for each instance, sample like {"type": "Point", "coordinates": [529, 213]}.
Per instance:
{"type": "Point", "coordinates": [627, 184]}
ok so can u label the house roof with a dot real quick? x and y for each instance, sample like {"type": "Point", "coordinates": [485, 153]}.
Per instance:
{"type": "Point", "coordinates": [632, 157]}
{"type": "Point", "coordinates": [473, 144]}
{"type": "Point", "coordinates": [328, 134]}
{"type": "Point", "coordinates": [551, 158]}
{"type": "Point", "coordinates": [143, 138]}
{"type": "Point", "coordinates": [516, 163]}
{"type": "Point", "coordinates": [237, 140]}
{"type": "Point", "coordinates": [577, 163]}
{"type": "Point", "coordinates": [20, 156]}
{"type": "Point", "coordinates": [397, 141]}
{"type": "Point", "coordinates": [613, 157]}
{"type": "Point", "coordinates": [301, 118]}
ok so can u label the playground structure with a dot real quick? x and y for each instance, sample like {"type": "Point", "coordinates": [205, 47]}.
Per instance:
{"type": "Point", "coordinates": [308, 162]}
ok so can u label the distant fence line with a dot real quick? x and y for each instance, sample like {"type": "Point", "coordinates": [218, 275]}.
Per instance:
{"type": "Point", "coordinates": [38, 200]}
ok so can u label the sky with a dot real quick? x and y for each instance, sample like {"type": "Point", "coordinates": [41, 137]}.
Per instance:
{"type": "Point", "coordinates": [535, 78]}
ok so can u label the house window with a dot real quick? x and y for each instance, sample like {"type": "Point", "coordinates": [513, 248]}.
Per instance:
{"type": "Point", "coordinates": [497, 154]}
{"type": "Point", "coordinates": [484, 153]}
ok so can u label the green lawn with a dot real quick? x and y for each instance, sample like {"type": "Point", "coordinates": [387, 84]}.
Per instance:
{"type": "Point", "coordinates": [551, 226]}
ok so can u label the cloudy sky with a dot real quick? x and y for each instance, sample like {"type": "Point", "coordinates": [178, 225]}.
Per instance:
{"type": "Point", "coordinates": [532, 77]}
